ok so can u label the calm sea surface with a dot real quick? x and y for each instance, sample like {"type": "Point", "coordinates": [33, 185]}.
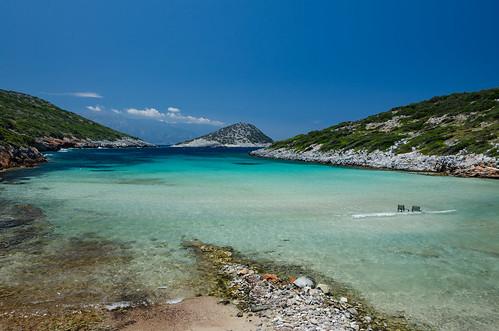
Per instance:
{"type": "Point", "coordinates": [114, 220]}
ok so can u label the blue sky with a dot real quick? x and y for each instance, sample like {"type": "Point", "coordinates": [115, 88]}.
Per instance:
{"type": "Point", "coordinates": [286, 66]}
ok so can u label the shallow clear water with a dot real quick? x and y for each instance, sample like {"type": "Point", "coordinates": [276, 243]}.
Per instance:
{"type": "Point", "coordinates": [436, 268]}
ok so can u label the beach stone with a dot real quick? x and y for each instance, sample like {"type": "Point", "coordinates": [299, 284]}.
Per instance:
{"type": "Point", "coordinates": [324, 288]}
{"type": "Point", "coordinates": [304, 281]}
{"type": "Point", "coordinates": [257, 308]}
{"type": "Point", "coordinates": [243, 271]}
{"type": "Point", "coordinates": [352, 311]}
{"type": "Point", "coordinates": [343, 300]}
{"type": "Point", "coordinates": [270, 277]}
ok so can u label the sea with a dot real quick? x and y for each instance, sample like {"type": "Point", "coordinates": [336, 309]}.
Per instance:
{"type": "Point", "coordinates": [107, 225]}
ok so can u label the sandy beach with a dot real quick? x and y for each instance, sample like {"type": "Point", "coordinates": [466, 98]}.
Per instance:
{"type": "Point", "coordinates": [196, 314]}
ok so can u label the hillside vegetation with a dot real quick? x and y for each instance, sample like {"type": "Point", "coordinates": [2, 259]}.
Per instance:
{"type": "Point", "coordinates": [239, 132]}
{"type": "Point", "coordinates": [445, 125]}
{"type": "Point", "coordinates": [24, 118]}
{"type": "Point", "coordinates": [235, 135]}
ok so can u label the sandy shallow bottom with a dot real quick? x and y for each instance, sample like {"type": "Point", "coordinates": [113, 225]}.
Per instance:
{"type": "Point", "coordinates": [196, 314]}
{"type": "Point", "coordinates": [248, 297]}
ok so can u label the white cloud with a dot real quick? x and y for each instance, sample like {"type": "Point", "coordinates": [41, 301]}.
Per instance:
{"type": "Point", "coordinates": [173, 115]}
{"type": "Point", "coordinates": [86, 95]}
{"type": "Point", "coordinates": [96, 108]}
{"type": "Point", "coordinates": [79, 94]}
{"type": "Point", "coordinates": [179, 118]}
{"type": "Point", "coordinates": [147, 112]}
{"type": "Point", "coordinates": [173, 110]}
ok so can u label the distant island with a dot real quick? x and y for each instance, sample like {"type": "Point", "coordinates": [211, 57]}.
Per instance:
{"type": "Point", "coordinates": [30, 125]}
{"type": "Point", "coordinates": [235, 135]}
{"type": "Point", "coordinates": [455, 134]}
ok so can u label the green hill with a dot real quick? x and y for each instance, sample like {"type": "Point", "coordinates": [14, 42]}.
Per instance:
{"type": "Point", "coordinates": [29, 125]}
{"type": "Point", "coordinates": [24, 118]}
{"type": "Point", "coordinates": [445, 125]}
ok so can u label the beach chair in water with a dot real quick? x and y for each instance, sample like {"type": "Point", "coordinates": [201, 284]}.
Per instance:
{"type": "Point", "coordinates": [416, 209]}
{"type": "Point", "coordinates": [400, 208]}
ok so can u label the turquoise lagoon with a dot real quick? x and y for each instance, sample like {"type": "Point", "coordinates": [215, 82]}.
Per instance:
{"type": "Point", "coordinates": [128, 212]}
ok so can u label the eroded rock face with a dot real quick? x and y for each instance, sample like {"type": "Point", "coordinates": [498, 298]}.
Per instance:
{"type": "Point", "coordinates": [464, 165]}
{"type": "Point", "coordinates": [479, 170]}
{"type": "Point", "coordinates": [11, 157]}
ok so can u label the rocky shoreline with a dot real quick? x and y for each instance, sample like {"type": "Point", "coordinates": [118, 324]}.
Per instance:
{"type": "Point", "coordinates": [280, 301]}
{"type": "Point", "coordinates": [461, 165]}
{"type": "Point", "coordinates": [15, 157]}
{"type": "Point", "coordinates": [240, 295]}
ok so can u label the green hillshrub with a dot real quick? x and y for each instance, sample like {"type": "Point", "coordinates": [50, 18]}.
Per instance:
{"type": "Point", "coordinates": [471, 120]}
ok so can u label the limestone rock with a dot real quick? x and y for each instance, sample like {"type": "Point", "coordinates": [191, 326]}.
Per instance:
{"type": "Point", "coordinates": [304, 281]}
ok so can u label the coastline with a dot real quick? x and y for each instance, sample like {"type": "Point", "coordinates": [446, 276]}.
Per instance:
{"type": "Point", "coordinates": [15, 157]}
{"type": "Point", "coordinates": [286, 297]}
{"type": "Point", "coordinates": [454, 165]}
{"type": "Point", "coordinates": [241, 295]}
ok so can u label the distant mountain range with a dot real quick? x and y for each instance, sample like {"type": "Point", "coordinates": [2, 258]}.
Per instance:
{"type": "Point", "coordinates": [455, 134]}
{"type": "Point", "coordinates": [29, 125]}
{"type": "Point", "coordinates": [235, 135]}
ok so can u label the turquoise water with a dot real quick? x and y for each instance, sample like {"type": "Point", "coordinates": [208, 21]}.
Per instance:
{"type": "Point", "coordinates": [436, 268]}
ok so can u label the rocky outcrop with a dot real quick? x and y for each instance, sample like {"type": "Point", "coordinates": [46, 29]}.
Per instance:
{"type": "Point", "coordinates": [464, 165]}
{"type": "Point", "coordinates": [12, 157]}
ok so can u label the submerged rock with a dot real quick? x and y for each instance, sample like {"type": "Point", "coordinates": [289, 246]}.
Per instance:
{"type": "Point", "coordinates": [118, 305]}
{"type": "Point", "coordinates": [20, 225]}
{"type": "Point", "coordinates": [174, 301]}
